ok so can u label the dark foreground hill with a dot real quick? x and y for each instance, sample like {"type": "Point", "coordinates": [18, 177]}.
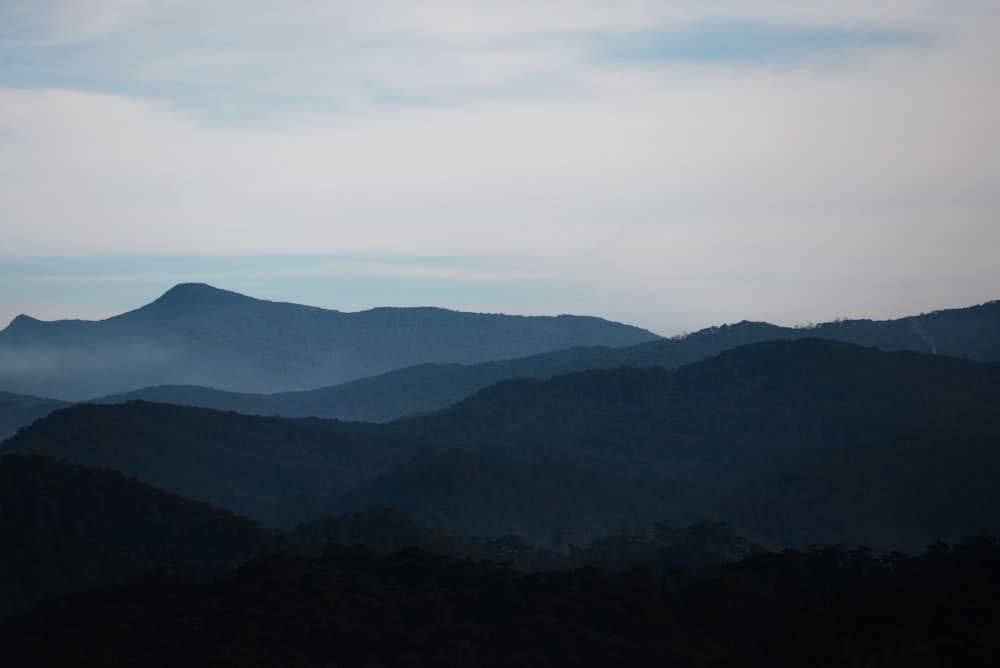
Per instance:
{"type": "Point", "coordinates": [135, 576]}
{"type": "Point", "coordinates": [65, 526]}
{"type": "Point", "coordinates": [199, 335]}
{"type": "Point", "coordinates": [793, 442]}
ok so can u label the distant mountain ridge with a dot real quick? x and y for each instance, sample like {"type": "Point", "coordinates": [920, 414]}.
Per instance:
{"type": "Point", "coordinates": [792, 441]}
{"type": "Point", "coordinates": [195, 334]}
{"type": "Point", "coordinates": [972, 332]}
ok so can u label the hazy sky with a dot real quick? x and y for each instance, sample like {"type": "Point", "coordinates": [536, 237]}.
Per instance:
{"type": "Point", "coordinates": [673, 165]}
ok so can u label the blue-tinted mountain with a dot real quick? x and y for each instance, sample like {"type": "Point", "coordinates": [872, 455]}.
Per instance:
{"type": "Point", "coordinates": [199, 335]}
{"type": "Point", "coordinates": [969, 332]}
{"type": "Point", "coordinates": [398, 393]}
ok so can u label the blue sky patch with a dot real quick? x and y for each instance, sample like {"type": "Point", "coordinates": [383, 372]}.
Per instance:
{"type": "Point", "coordinates": [754, 42]}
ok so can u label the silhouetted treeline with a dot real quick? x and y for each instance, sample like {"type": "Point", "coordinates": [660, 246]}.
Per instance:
{"type": "Point", "coordinates": [65, 526]}
{"type": "Point", "coordinates": [827, 606]}
{"type": "Point", "coordinates": [656, 546]}
{"type": "Point", "coordinates": [162, 580]}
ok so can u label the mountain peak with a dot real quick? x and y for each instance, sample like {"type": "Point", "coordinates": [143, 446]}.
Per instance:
{"type": "Point", "coordinates": [185, 296]}
{"type": "Point", "coordinates": [22, 321]}
{"type": "Point", "coordinates": [189, 290]}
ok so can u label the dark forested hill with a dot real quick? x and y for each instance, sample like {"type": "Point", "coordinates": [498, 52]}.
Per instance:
{"type": "Point", "coordinates": [709, 439]}
{"type": "Point", "coordinates": [18, 410]}
{"type": "Point", "coordinates": [66, 526]}
{"type": "Point", "coordinates": [272, 469]}
{"type": "Point", "coordinates": [764, 397]}
{"type": "Point", "coordinates": [490, 496]}
{"type": "Point", "coordinates": [197, 334]}
{"type": "Point", "coordinates": [794, 442]}
{"type": "Point", "coordinates": [99, 569]}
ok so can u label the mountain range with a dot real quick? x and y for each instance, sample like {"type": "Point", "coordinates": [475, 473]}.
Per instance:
{"type": "Point", "coordinates": [972, 332]}
{"type": "Point", "coordinates": [703, 470]}
{"type": "Point", "coordinates": [794, 442]}
{"type": "Point", "coordinates": [584, 439]}
{"type": "Point", "coordinates": [195, 334]}
{"type": "Point", "coordinates": [67, 364]}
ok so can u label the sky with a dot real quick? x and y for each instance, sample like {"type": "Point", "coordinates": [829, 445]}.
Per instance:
{"type": "Point", "coordinates": [672, 165]}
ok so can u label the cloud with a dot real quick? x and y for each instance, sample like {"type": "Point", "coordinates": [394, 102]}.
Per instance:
{"type": "Point", "coordinates": [237, 60]}
{"type": "Point", "coordinates": [636, 149]}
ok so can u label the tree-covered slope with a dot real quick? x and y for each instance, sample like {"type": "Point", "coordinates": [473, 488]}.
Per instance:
{"type": "Point", "coordinates": [794, 442]}
{"type": "Point", "coordinates": [897, 492]}
{"type": "Point", "coordinates": [18, 410]}
{"type": "Point", "coordinates": [473, 494]}
{"type": "Point", "coordinates": [272, 469]}
{"type": "Point", "coordinates": [689, 442]}
{"type": "Point", "coordinates": [765, 397]}
{"type": "Point", "coordinates": [66, 526]}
